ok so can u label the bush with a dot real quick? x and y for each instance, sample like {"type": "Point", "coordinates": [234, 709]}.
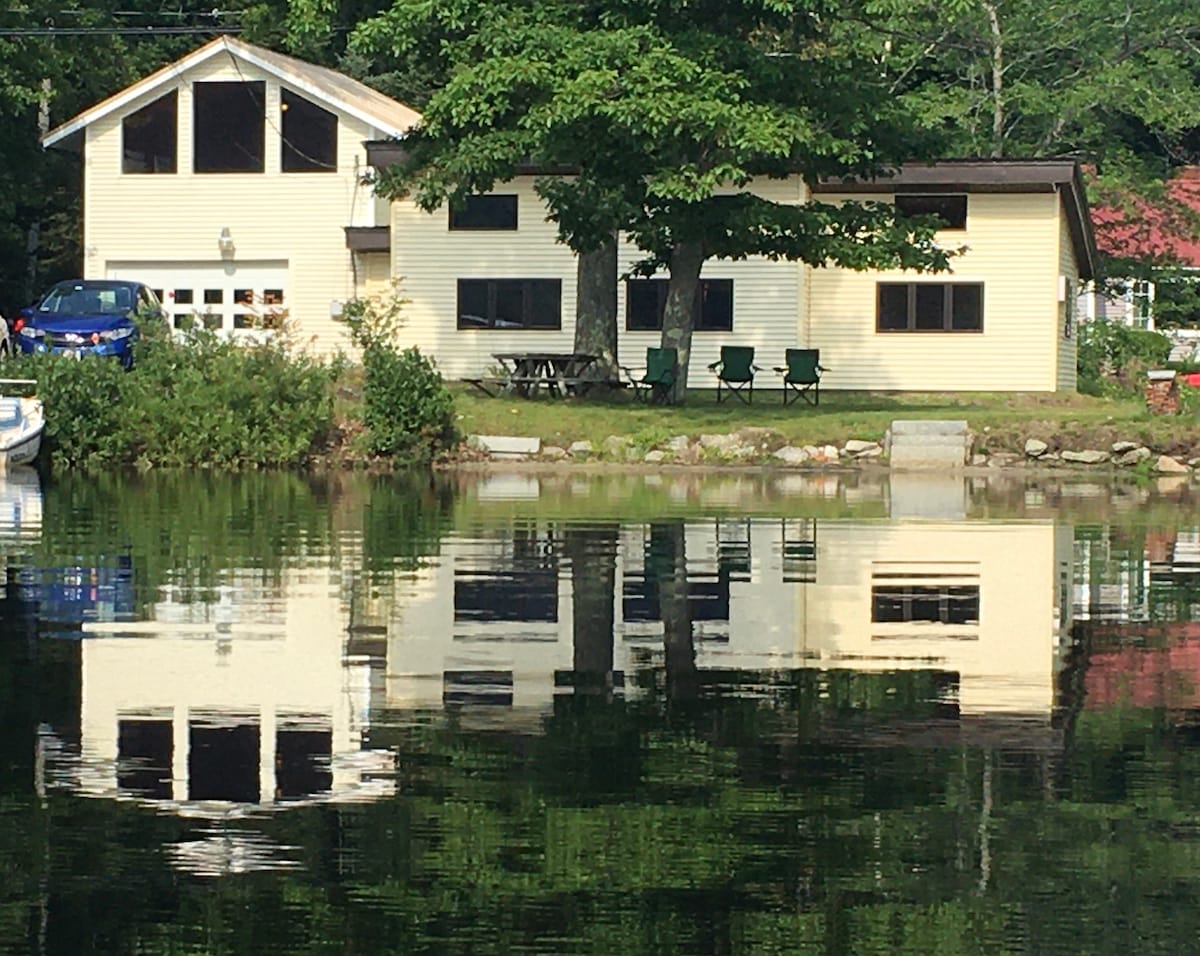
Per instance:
{"type": "Point", "coordinates": [1112, 359]}
{"type": "Point", "coordinates": [196, 400]}
{"type": "Point", "coordinates": [407, 409]}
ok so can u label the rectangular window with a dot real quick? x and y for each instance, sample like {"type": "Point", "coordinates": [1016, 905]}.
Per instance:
{"type": "Point", "coordinates": [951, 210]}
{"type": "Point", "coordinates": [484, 212]}
{"type": "Point", "coordinates": [645, 300]}
{"type": "Point", "coordinates": [183, 296]}
{"type": "Point", "coordinates": [510, 303]}
{"type": "Point", "coordinates": [929, 307]}
{"type": "Point", "coordinates": [929, 604]}
{"type": "Point", "coordinates": [228, 127]}
{"type": "Point", "coordinates": [309, 140]}
{"type": "Point", "coordinates": [149, 135]}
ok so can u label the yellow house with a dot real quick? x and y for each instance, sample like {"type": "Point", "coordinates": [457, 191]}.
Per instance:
{"type": "Point", "coordinates": [264, 164]}
{"type": "Point", "coordinates": [228, 181]}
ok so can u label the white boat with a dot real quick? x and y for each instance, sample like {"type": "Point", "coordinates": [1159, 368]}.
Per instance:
{"type": "Point", "coordinates": [22, 421]}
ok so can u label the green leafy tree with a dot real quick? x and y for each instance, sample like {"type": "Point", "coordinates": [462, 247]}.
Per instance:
{"type": "Point", "coordinates": [664, 114]}
{"type": "Point", "coordinates": [1113, 82]}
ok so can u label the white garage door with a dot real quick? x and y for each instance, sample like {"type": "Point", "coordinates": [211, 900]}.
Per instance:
{"type": "Point", "coordinates": [231, 297]}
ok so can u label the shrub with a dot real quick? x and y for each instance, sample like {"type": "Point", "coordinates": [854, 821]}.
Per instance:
{"type": "Point", "coordinates": [1113, 358]}
{"type": "Point", "coordinates": [407, 409]}
{"type": "Point", "coordinates": [195, 400]}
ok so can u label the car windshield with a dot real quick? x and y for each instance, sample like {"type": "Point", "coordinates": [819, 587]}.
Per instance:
{"type": "Point", "coordinates": [74, 298]}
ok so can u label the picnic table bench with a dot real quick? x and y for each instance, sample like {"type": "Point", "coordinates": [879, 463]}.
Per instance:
{"type": "Point", "coordinates": [527, 373]}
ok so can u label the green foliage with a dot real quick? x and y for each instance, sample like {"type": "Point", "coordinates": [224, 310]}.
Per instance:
{"type": "Point", "coordinates": [200, 400]}
{"type": "Point", "coordinates": [1176, 302]}
{"type": "Point", "coordinates": [1113, 358]}
{"type": "Point", "coordinates": [407, 409]}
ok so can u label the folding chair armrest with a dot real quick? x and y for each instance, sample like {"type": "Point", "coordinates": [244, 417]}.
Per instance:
{"type": "Point", "coordinates": [713, 366]}
{"type": "Point", "coordinates": [779, 371]}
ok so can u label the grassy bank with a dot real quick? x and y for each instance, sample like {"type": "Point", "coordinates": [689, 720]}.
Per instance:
{"type": "Point", "coordinates": [1002, 422]}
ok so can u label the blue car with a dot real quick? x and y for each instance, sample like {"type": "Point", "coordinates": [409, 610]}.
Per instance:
{"type": "Point", "coordinates": [81, 317]}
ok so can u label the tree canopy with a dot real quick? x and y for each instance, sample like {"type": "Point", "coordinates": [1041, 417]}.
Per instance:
{"type": "Point", "coordinates": [663, 115]}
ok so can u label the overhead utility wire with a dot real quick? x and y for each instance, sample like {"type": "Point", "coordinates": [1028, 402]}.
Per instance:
{"type": "Point", "coordinates": [114, 31]}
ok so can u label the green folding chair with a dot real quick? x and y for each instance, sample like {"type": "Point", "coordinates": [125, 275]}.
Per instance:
{"type": "Point", "coordinates": [802, 376]}
{"type": "Point", "coordinates": [657, 380]}
{"type": "Point", "coordinates": [735, 372]}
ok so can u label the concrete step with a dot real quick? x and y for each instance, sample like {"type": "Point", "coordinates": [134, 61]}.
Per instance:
{"type": "Point", "coordinates": [928, 444]}
{"type": "Point", "coordinates": [928, 426]}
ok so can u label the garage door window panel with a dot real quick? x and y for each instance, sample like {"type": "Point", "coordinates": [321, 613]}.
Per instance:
{"type": "Point", "coordinates": [229, 127]}
{"type": "Point", "coordinates": [309, 141]}
{"type": "Point", "coordinates": [149, 137]}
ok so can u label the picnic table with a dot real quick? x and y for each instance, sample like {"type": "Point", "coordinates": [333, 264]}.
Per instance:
{"type": "Point", "coordinates": [528, 373]}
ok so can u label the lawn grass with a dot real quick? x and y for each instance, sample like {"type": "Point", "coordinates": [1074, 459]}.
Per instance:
{"type": "Point", "coordinates": [1001, 421]}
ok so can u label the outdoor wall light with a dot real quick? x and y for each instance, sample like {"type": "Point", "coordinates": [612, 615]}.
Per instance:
{"type": "Point", "coordinates": [225, 242]}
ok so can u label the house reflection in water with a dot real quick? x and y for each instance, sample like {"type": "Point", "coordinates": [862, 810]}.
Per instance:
{"type": "Point", "coordinates": [510, 616]}
{"type": "Point", "coordinates": [228, 708]}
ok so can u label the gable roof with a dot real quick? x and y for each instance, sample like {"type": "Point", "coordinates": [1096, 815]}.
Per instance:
{"type": "Point", "coordinates": [1064, 176]}
{"type": "Point", "coordinates": [322, 84]}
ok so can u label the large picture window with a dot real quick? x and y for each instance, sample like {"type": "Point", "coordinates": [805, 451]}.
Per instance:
{"type": "Point", "coordinates": [951, 209]}
{"type": "Point", "coordinates": [510, 303]}
{"type": "Point", "coordinates": [228, 127]}
{"type": "Point", "coordinates": [309, 142]}
{"type": "Point", "coordinates": [481, 213]}
{"type": "Point", "coordinates": [149, 136]}
{"type": "Point", "coordinates": [646, 298]}
{"type": "Point", "coordinates": [929, 307]}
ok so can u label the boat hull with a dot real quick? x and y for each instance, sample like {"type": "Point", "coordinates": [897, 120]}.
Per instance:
{"type": "Point", "coordinates": [21, 440]}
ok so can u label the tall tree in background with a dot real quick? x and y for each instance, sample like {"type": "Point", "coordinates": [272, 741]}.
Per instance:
{"type": "Point", "coordinates": [664, 113]}
{"type": "Point", "coordinates": [1113, 83]}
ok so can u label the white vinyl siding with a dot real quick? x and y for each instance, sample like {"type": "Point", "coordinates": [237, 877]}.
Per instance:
{"type": "Point", "coordinates": [767, 306]}
{"type": "Point", "coordinates": [295, 218]}
{"type": "Point", "coordinates": [428, 259]}
{"type": "Point", "coordinates": [1012, 248]}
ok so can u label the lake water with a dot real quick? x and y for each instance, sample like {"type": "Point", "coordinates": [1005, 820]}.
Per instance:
{"type": "Point", "coordinates": [740, 713]}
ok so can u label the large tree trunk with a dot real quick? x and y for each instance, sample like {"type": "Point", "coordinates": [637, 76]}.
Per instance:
{"type": "Point", "coordinates": [596, 308]}
{"type": "Point", "coordinates": [686, 261]}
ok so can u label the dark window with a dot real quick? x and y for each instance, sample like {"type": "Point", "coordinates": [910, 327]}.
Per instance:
{"type": "Point", "coordinates": [144, 753]}
{"type": "Point", "coordinates": [937, 605]}
{"type": "Point", "coordinates": [484, 212]}
{"type": "Point", "coordinates": [243, 296]}
{"type": "Point", "coordinates": [148, 137]}
{"type": "Point", "coordinates": [228, 127]}
{"type": "Point", "coordinates": [929, 307]}
{"type": "Point", "coordinates": [183, 296]}
{"type": "Point", "coordinates": [950, 210]}
{"type": "Point", "coordinates": [646, 298]}
{"type": "Point", "coordinates": [510, 303]}
{"type": "Point", "coordinates": [223, 762]}
{"type": "Point", "coordinates": [272, 297]}
{"type": "Point", "coordinates": [214, 296]}
{"type": "Point", "coordinates": [309, 136]}
{"type": "Point", "coordinates": [302, 762]}
{"type": "Point", "coordinates": [475, 688]}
